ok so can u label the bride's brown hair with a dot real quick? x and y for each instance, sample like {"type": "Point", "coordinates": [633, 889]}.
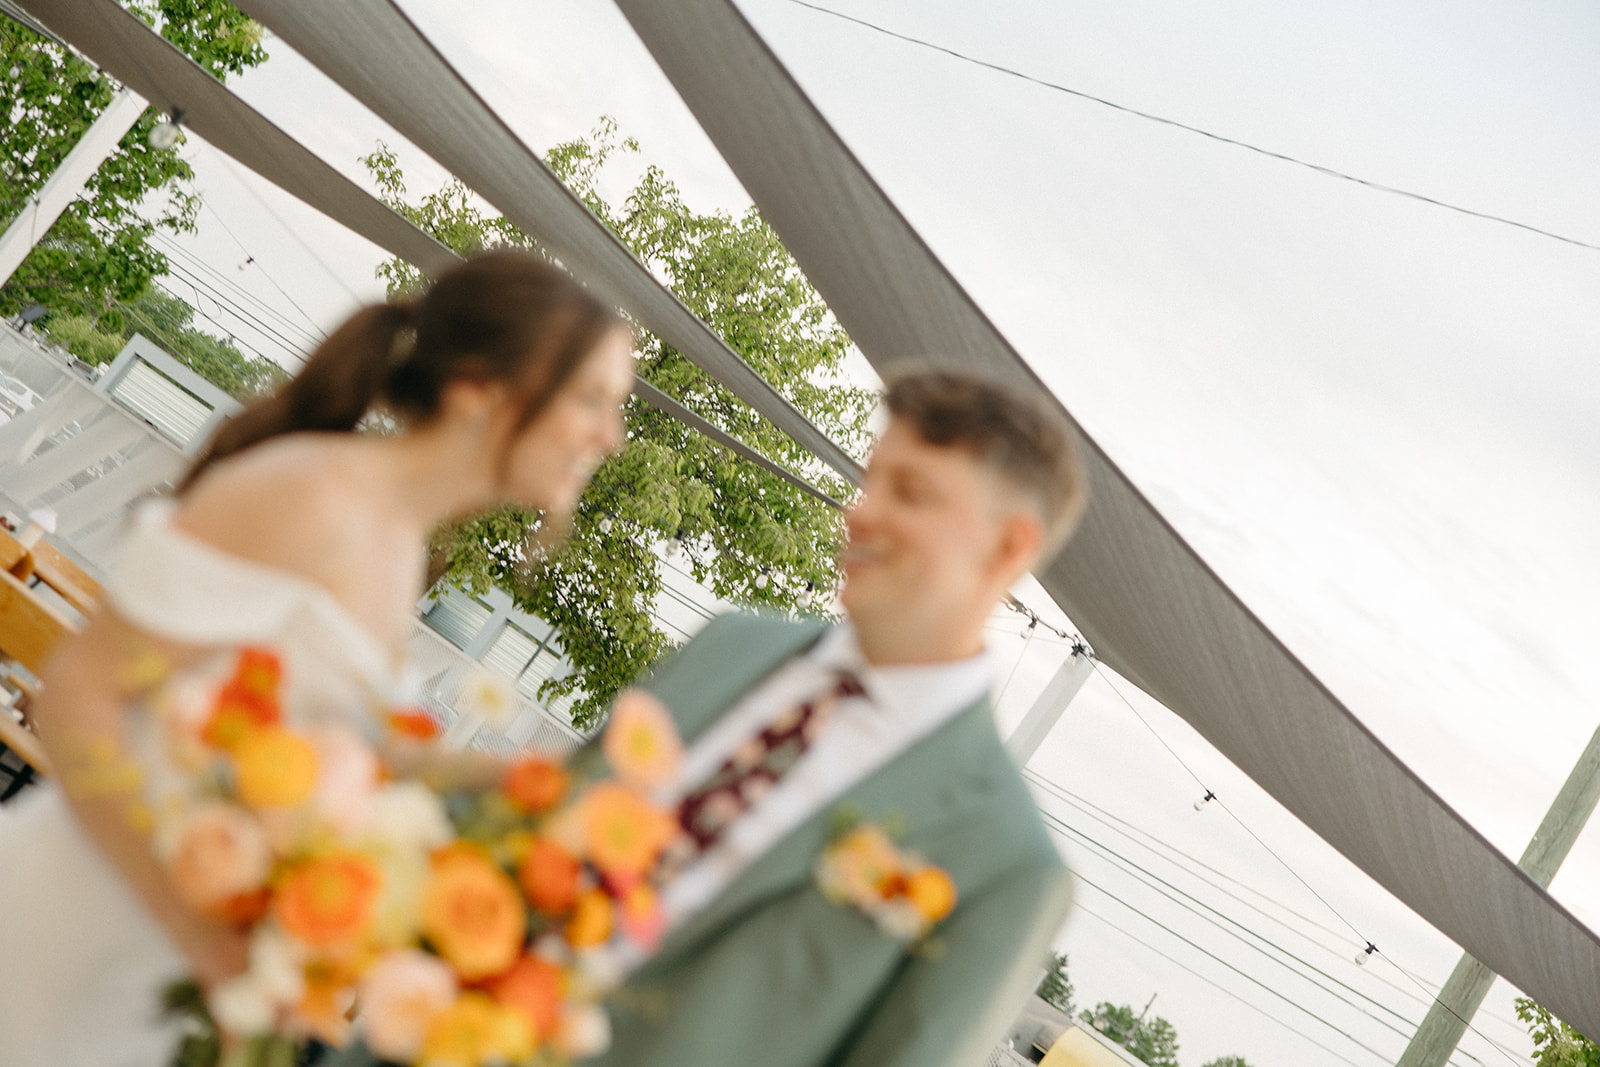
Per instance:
{"type": "Point", "coordinates": [505, 316]}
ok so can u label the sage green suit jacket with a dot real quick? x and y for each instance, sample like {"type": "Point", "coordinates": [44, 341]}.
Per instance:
{"type": "Point", "coordinates": [772, 974]}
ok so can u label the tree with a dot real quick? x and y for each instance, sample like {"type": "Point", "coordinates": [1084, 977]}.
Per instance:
{"type": "Point", "coordinates": [1555, 1044]}
{"type": "Point", "coordinates": [1154, 1041]}
{"type": "Point", "coordinates": [99, 250]}
{"type": "Point", "coordinates": [1056, 987]}
{"type": "Point", "coordinates": [748, 535]}
{"type": "Point", "coordinates": [169, 322]}
{"type": "Point", "coordinates": [1227, 1061]}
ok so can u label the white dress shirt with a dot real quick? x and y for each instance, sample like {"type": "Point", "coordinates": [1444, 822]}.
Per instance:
{"type": "Point", "coordinates": [901, 705]}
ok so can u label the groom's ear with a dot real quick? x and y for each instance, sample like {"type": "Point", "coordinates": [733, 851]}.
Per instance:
{"type": "Point", "coordinates": [1016, 549]}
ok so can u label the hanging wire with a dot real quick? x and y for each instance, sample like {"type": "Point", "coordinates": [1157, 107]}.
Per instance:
{"type": "Point", "coordinates": [1365, 941]}
{"type": "Point", "coordinates": [1162, 120]}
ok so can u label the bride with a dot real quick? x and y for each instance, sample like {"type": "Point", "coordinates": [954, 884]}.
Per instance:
{"type": "Point", "coordinates": [297, 533]}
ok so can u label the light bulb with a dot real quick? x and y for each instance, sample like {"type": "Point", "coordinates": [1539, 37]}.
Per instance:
{"type": "Point", "coordinates": [164, 135]}
{"type": "Point", "coordinates": [1200, 805]}
{"type": "Point", "coordinates": [606, 524]}
{"type": "Point", "coordinates": [1361, 957]}
{"type": "Point", "coordinates": [673, 546]}
{"type": "Point", "coordinates": [762, 581]}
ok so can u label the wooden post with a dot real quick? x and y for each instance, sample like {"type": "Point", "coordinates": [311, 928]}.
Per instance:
{"type": "Point", "coordinates": [1441, 1029]}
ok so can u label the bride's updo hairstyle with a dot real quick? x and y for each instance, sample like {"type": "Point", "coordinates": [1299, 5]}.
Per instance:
{"type": "Point", "coordinates": [506, 316]}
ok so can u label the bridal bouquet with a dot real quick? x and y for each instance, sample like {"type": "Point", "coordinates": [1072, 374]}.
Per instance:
{"type": "Point", "coordinates": [441, 928]}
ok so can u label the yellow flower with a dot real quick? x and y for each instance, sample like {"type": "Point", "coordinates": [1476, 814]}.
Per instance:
{"type": "Point", "coordinates": [932, 892]}
{"type": "Point", "coordinates": [475, 1030]}
{"type": "Point", "coordinates": [275, 768]}
{"type": "Point", "coordinates": [641, 741]}
{"type": "Point", "coordinates": [590, 924]}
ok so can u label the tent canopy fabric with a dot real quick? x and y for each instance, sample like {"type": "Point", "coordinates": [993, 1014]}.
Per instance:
{"type": "Point", "coordinates": [1149, 605]}
{"type": "Point", "coordinates": [375, 52]}
{"type": "Point", "coordinates": [145, 62]}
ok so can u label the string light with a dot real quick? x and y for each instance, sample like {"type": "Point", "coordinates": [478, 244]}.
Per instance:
{"type": "Point", "coordinates": [606, 525]}
{"type": "Point", "coordinates": [762, 580]}
{"type": "Point", "coordinates": [1200, 805]}
{"type": "Point", "coordinates": [675, 545]}
{"type": "Point", "coordinates": [165, 134]}
{"type": "Point", "coordinates": [807, 595]}
{"type": "Point", "coordinates": [1364, 954]}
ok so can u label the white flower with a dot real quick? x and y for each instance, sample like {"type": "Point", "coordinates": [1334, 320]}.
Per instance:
{"type": "Point", "coordinates": [489, 695]}
{"type": "Point", "coordinates": [899, 919]}
{"type": "Point", "coordinates": [407, 814]}
{"type": "Point", "coordinates": [242, 1006]}
{"type": "Point", "coordinates": [584, 1031]}
{"type": "Point", "coordinates": [277, 965]}
{"type": "Point", "coordinates": [599, 970]}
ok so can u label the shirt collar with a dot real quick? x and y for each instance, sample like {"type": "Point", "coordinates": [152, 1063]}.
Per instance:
{"type": "Point", "coordinates": [939, 689]}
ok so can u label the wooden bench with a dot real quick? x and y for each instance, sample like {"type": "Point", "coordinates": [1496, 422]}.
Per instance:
{"type": "Point", "coordinates": [53, 567]}
{"type": "Point", "coordinates": [30, 630]}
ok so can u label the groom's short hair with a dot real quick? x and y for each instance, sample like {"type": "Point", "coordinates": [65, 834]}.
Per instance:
{"type": "Point", "coordinates": [1029, 443]}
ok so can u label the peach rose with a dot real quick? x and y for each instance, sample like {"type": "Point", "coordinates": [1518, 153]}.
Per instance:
{"type": "Point", "coordinates": [858, 867]}
{"type": "Point", "coordinates": [641, 741]}
{"type": "Point", "coordinates": [400, 996]}
{"type": "Point", "coordinates": [472, 913]}
{"type": "Point", "coordinates": [347, 776]}
{"type": "Point", "coordinates": [641, 918]}
{"type": "Point", "coordinates": [219, 852]}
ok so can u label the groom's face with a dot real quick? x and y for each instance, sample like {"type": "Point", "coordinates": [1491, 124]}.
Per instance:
{"type": "Point", "coordinates": [923, 538]}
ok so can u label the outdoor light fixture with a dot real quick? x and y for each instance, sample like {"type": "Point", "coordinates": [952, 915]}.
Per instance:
{"type": "Point", "coordinates": [164, 135]}
{"type": "Point", "coordinates": [1361, 957]}
{"type": "Point", "coordinates": [606, 524]}
{"type": "Point", "coordinates": [1200, 805]}
{"type": "Point", "coordinates": [762, 581]}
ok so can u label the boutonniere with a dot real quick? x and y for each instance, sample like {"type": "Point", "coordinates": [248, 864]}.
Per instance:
{"type": "Point", "coordinates": [900, 891]}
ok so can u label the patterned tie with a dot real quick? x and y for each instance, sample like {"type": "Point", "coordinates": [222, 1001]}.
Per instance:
{"type": "Point", "coordinates": [751, 772]}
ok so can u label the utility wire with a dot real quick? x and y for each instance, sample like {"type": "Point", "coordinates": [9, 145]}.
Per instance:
{"type": "Point", "coordinates": [1148, 116]}
{"type": "Point", "coordinates": [172, 247]}
{"type": "Point", "coordinates": [1153, 844]}
{"type": "Point", "coordinates": [1372, 949]}
{"type": "Point", "coordinates": [1193, 904]}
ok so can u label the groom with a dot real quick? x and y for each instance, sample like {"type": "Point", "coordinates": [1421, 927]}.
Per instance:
{"type": "Point", "coordinates": [885, 718]}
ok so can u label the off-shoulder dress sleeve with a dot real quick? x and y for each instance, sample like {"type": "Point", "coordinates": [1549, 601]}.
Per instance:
{"type": "Point", "coordinates": [176, 586]}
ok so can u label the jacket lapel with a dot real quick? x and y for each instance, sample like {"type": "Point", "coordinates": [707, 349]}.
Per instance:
{"type": "Point", "coordinates": [924, 786]}
{"type": "Point", "coordinates": [705, 678]}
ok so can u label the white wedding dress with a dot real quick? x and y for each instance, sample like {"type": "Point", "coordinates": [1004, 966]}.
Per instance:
{"type": "Point", "coordinates": [82, 964]}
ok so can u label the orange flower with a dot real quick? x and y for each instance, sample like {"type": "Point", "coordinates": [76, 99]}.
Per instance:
{"type": "Point", "coordinates": [622, 833]}
{"type": "Point", "coordinates": [535, 784]}
{"type": "Point", "coordinates": [534, 987]}
{"type": "Point", "coordinates": [328, 900]}
{"type": "Point", "coordinates": [247, 701]}
{"type": "Point", "coordinates": [275, 768]}
{"type": "Point", "coordinates": [932, 892]}
{"type": "Point", "coordinates": [472, 913]}
{"type": "Point", "coordinates": [641, 741]}
{"type": "Point", "coordinates": [590, 924]}
{"type": "Point", "coordinates": [413, 723]}
{"type": "Point", "coordinates": [476, 1030]}
{"type": "Point", "coordinates": [549, 875]}
{"type": "Point", "coordinates": [325, 1005]}
{"type": "Point", "coordinates": [242, 909]}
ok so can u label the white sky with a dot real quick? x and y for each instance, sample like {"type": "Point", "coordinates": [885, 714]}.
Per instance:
{"type": "Point", "coordinates": [1371, 416]}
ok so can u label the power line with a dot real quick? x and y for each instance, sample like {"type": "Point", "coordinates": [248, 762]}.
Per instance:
{"type": "Point", "coordinates": [216, 277]}
{"type": "Point", "coordinates": [1198, 907]}
{"type": "Point", "coordinates": [1158, 847]}
{"type": "Point", "coordinates": [1162, 120]}
{"type": "Point", "coordinates": [1371, 948]}
{"type": "Point", "coordinates": [250, 258]}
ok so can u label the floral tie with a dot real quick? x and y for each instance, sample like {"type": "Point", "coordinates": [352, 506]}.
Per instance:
{"type": "Point", "coordinates": [751, 772]}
